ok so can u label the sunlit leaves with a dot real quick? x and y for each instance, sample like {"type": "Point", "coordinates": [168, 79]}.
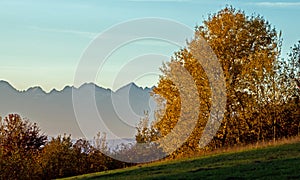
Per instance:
{"type": "Point", "coordinates": [260, 90]}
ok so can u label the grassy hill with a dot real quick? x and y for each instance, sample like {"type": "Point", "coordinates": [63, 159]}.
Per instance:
{"type": "Point", "coordinates": [277, 162]}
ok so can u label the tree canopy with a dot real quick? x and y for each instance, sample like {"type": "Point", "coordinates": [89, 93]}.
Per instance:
{"type": "Point", "coordinates": [258, 86]}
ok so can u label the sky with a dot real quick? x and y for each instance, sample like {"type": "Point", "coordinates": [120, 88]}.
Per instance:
{"type": "Point", "coordinates": [42, 41]}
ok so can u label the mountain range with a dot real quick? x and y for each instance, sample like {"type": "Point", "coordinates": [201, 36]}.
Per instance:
{"type": "Point", "coordinates": [55, 112]}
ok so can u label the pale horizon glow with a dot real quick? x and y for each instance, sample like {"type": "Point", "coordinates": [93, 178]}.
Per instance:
{"type": "Point", "coordinates": [42, 41]}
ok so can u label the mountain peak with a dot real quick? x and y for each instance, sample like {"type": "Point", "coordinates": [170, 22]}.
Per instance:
{"type": "Point", "coordinates": [4, 83]}
{"type": "Point", "coordinates": [38, 89]}
{"type": "Point", "coordinates": [7, 85]}
{"type": "Point", "coordinates": [53, 91]}
{"type": "Point", "coordinates": [88, 85]}
{"type": "Point", "coordinates": [35, 89]}
{"type": "Point", "coordinates": [55, 111]}
{"type": "Point", "coordinates": [129, 85]}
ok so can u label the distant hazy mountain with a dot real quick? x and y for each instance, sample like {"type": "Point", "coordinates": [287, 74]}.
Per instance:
{"type": "Point", "coordinates": [120, 111]}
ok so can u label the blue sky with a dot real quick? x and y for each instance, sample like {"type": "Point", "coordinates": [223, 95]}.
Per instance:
{"type": "Point", "coordinates": [41, 41]}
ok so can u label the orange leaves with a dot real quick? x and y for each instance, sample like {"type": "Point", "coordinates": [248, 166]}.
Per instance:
{"type": "Point", "coordinates": [247, 49]}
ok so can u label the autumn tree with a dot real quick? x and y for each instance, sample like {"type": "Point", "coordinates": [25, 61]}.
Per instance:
{"type": "Point", "coordinates": [21, 143]}
{"type": "Point", "coordinates": [62, 158]}
{"type": "Point", "coordinates": [144, 150]}
{"type": "Point", "coordinates": [98, 156]}
{"type": "Point", "coordinates": [289, 73]}
{"type": "Point", "coordinates": [247, 48]}
{"type": "Point", "coordinates": [292, 67]}
{"type": "Point", "coordinates": [278, 98]}
{"type": "Point", "coordinates": [58, 158]}
{"type": "Point", "coordinates": [25, 153]}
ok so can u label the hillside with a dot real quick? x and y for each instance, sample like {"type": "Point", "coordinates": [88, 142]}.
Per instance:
{"type": "Point", "coordinates": [278, 162]}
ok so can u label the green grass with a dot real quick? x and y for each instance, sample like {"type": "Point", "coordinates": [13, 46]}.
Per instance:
{"type": "Point", "coordinates": [279, 162]}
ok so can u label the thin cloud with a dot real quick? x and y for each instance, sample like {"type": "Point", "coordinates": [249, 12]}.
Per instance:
{"type": "Point", "coordinates": [66, 31]}
{"type": "Point", "coordinates": [277, 4]}
{"type": "Point", "coordinates": [160, 1]}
